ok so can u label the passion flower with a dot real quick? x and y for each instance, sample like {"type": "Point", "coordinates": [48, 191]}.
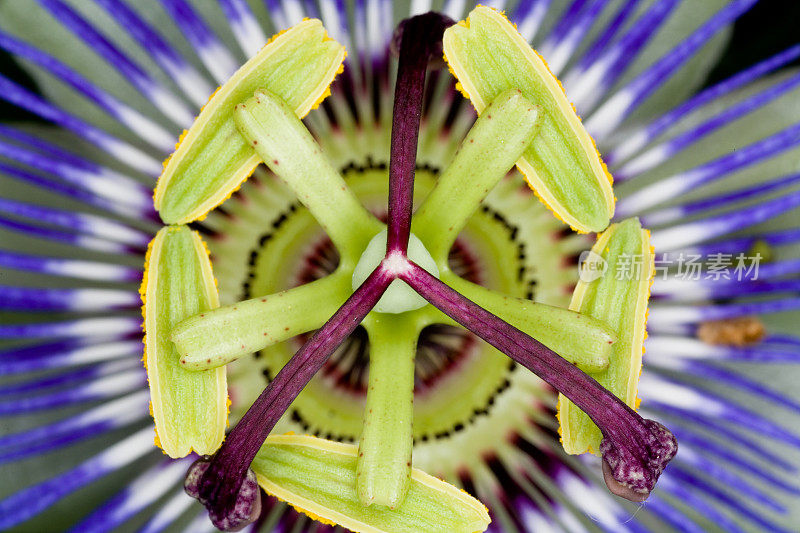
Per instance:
{"type": "Point", "coordinates": [118, 85]}
{"type": "Point", "coordinates": [635, 451]}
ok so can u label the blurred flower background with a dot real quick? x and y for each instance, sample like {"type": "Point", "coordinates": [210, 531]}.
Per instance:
{"type": "Point", "coordinates": [697, 114]}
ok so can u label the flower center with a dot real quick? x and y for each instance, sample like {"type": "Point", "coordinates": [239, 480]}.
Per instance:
{"type": "Point", "coordinates": [399, 297]}
{"type": "Point", "coordinates": [511, 244]}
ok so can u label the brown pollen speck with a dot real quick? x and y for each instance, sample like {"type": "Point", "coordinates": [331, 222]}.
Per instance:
{"type": "Point", "coordinates": [739, 331]}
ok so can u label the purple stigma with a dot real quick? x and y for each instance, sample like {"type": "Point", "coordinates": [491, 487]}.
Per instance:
{"type": "Point", "coordinates": [246, 507]}
{"type": "Point", "coordinates": [631, 470]}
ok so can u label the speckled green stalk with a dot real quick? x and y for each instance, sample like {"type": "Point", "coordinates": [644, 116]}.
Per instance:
{"type": "Point", "coordinates": [492, 147]}
{"type": "Point", "coordinates": [578, 338]}
{"type": "Point", "coordinates": [215, 338]}
{"type": "Point", "coordinates": [211, 159]}
{"type": "Point", "coordinates": [286, 146]}
{"type": "Point", "coordinates": [384, 453]}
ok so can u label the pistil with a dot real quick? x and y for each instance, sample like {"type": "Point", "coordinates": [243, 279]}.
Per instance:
{"type": "Point", "coordinates": [384, 465]}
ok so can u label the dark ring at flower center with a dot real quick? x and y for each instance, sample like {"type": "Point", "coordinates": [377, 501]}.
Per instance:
{"type": "Point", "coordinates": [498, 249]}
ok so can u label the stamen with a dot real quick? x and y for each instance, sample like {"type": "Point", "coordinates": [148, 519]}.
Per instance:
{"type": "Point", "coordinates": [635, 450]}
{"type": "Point", "coordinates": [211, 161]}
{"type": "Point", "coordinates": [561, 164]}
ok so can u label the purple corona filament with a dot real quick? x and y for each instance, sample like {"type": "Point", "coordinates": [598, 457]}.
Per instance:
{"type": "Point", "coordinates": [635, 451]}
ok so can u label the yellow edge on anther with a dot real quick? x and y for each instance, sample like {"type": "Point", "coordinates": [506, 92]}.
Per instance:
{"type": "Point", "coordinates": [466, 86]}
{"type": "Point", "coordinates": [332, 517]}
{"type": "Point", "coordinates": [156, 413]}
{"type": "Point", "coordinates": [246, 169]}
{"type": "Point", "coordinates": [639, 334]}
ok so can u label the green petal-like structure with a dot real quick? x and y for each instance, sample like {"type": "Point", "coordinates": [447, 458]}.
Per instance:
{"type": "Point", "coordinates": [318, 477]}
{"type": "Point", "coordinates": [212, 159]}
{"type": "Point", "coordinates": [562, 165]}
{"type": "Point", "coordinates": [189, 408]}
{"type": "Point", "coordinates": [617, 294]}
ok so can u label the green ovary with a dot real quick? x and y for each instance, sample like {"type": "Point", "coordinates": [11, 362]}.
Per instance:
{"type": "Point", "coordinates": [399, 297]}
